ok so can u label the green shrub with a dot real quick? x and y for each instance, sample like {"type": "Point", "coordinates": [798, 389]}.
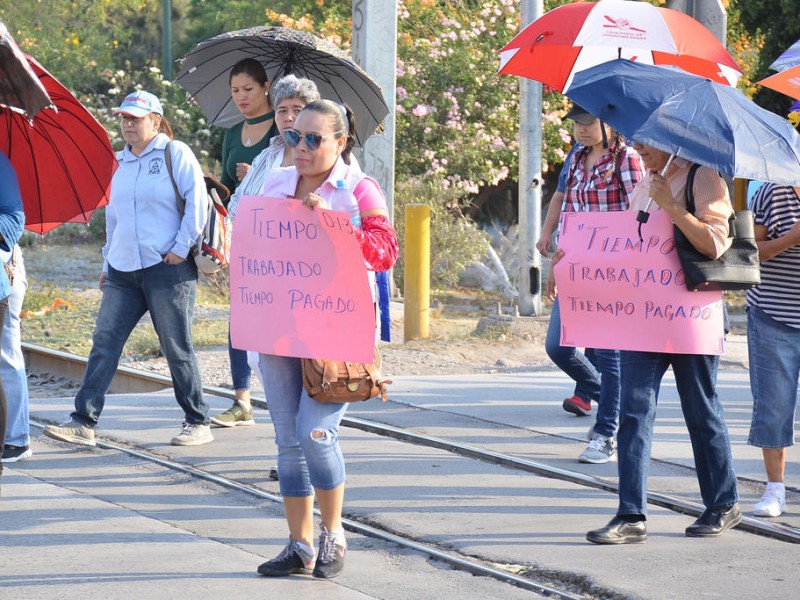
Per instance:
{"type": "Point", "coordinates": [456, 241]}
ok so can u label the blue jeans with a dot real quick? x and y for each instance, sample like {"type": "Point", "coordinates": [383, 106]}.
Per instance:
{"type": "Point", "coordinates": [596, 374]}
{"type": "Point", "coordinates": [3, 404]}
{"type": "Point", "coordinates": [774, 351]}
{"type": "Point", "coordinates": [240, 369]}
{"type": "Point", "coordinates": [696, 380]}
{"type": "Point", "coordinates": [306, 431]}
{"type": "Point", "coordinates": [168, 293]}
{"type": "Point", "coordinates": [12, 363]}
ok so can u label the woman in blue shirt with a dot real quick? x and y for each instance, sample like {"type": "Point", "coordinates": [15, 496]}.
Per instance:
{"type": "Point", "coordinates": [147, 268]}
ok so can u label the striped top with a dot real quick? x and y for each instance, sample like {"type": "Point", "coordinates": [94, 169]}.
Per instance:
{"type": "Point", "coordinates": [777, 208]}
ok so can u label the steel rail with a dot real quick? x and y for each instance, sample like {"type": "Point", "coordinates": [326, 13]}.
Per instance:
{"type": "Point", "coordinates": [474, 567]}
{"type": "Point", "coordinates": [132, 377]}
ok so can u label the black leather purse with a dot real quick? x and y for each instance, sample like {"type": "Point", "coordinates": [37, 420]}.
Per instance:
{"type": "Point", "coordinates": [737, 269]}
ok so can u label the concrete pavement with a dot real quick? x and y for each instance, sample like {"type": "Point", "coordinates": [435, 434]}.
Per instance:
{"type": "Point", "coordinates": [78, 522]}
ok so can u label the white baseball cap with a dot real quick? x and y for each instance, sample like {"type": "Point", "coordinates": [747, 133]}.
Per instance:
{"type": "Point", "coordinates": [138, 104]}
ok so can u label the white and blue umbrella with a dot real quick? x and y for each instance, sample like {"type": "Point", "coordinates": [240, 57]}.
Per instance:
{"type": "Point", "coordinates": [691, 117]}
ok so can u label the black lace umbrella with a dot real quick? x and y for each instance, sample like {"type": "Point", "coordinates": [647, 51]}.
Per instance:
{"type": "Point", "coordinates": [205, 73]}
{"type": "Point", "coordinates": [20, 88]}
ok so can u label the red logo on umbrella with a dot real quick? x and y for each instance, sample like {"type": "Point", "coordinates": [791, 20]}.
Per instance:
{"type": "Point", "coordinates": [622, 24]}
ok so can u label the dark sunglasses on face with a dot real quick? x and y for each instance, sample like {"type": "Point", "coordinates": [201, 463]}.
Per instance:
{"type": "Point", "coordinates": [292, 138]}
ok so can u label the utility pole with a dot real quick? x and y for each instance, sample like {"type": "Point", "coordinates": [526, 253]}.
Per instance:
{"type": "Point", "coordinates": [375, 51]}
{"type": "Point", "coordinates": [710, 13]}
{"type": "Point", "coordinates": [530, 182]}
{"type": "Point", "coordinates": [166, 32]}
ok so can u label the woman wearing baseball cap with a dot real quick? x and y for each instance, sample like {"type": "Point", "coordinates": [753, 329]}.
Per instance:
{"type": "Point", "coordinates": [147, 268]}
{"type": "Point", "coordinates": [601, 173]}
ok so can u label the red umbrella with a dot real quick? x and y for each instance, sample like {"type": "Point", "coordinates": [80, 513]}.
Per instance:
{"type": "Point", "coordinates": [64, 160]}
{"type": "Point", "coordinates": [786, 82]}
{"type": "Point", "coordinates": [574, 37]}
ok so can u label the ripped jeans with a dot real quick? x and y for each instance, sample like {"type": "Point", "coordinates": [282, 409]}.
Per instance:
{"type": "Point", "coordinates": [306, 431]}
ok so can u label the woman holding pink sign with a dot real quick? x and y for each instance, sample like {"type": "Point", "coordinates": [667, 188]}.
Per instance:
{"type": "Point", "coordinates": [310, 462]}
{"type": "Point", "coordinates": [669, 185]}
{"type": "Point", "coordinates": [289, 95]}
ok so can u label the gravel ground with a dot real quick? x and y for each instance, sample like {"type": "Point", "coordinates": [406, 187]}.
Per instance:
{"type": "Point", "coordinates": [454, 348]}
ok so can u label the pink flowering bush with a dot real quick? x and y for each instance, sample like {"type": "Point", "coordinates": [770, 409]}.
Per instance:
{"type": "Point", "coordinates": [456, 117]}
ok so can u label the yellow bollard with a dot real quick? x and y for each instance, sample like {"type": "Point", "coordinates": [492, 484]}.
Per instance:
{"type": "Point", "coordinates": [740, 193]}
{"type": "Point", "coordinates": [417, 272]}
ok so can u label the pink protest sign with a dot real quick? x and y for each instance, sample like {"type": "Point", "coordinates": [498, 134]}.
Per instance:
{"type": "Point", "coordinates": [299, 284]}
{"type": "Point", "coordinates": [620, 293]}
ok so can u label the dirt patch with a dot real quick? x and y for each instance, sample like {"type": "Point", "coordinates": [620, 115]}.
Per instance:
{"type": "Point", "coordinates": [454, 347]}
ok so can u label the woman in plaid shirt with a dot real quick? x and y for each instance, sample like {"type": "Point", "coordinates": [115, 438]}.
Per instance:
{"type": "Point", "coordinates": [600, 175]}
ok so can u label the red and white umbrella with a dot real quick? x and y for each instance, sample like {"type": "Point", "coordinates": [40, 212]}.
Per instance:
{"type": "Point", "coordinates": [577, 36]}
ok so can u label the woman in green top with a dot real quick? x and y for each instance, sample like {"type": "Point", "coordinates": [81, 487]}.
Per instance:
{"type": "Point", "coordinates": [245, 140]}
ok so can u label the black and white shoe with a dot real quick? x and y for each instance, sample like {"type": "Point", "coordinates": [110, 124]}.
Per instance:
{"type": "Point", "coordinates": [12, 454]}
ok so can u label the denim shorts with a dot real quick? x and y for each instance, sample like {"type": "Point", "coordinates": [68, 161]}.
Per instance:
{"type": "Point", "coordinates": [774, 352]}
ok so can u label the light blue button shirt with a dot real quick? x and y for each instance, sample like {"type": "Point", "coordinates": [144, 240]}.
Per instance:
{"type": "Point", "coordinates": [12, 218]}
{"type": "Point", "coordinates": [143, 222]}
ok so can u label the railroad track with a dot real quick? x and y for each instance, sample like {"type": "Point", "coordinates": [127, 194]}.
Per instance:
{"type": "Point", "coordinates": [132, 381]}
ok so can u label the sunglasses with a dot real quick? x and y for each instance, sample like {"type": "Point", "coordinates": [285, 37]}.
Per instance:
{"type": "Point", "coordinates": [292, 138]}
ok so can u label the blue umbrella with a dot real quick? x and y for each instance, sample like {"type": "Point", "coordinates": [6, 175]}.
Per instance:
{"type": "Point", "coordinates": [691, 117]}
{"type": "Point", "coordinates": [789, 59]}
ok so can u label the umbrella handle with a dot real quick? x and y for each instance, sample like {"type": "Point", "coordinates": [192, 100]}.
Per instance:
{"type": "Point", "coordinates": [643, 214]}
{"type": "Point", "coordinates": [639, 217]}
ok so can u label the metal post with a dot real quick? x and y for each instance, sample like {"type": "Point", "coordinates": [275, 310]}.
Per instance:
{"type": "Point", "coordinates": [530, 177]}
{"type": "Point", "coordinates": [417, 274]}
{"type": "Point", "coordinates": [710, 13]}
{"type": "Point", "coordinates": [167, 39]}
{"type": "Point", "coordinates": [375, 51]}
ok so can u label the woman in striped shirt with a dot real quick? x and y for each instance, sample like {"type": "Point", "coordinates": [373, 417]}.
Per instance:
{"type": "Point", "coordinates": [773, 335]}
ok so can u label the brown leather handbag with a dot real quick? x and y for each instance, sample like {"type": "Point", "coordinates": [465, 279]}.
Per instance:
{"type": "Point", "coordinates": [342, 381]}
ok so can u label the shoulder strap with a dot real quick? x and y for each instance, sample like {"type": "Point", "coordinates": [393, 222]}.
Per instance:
{"type": "Point", "coordinates": [618, 171]}
{"type": "Point", "coordinates": [689, 194]}
{"type": "Point", "coordinates": [168, 159]}
{"type": "Point", "coordinates": [689, 191]}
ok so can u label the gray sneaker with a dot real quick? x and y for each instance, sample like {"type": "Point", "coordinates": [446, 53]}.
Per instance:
{"type": "Point", "coordinates": [332, 549]}
{"type": "Point", "coordinates": [235, 415]}
{"type": "Point", "coordinates": [600, 450]}
{"type": "Point", "coordinates": [292, 559]}
{"type": "Point", "coordinates": [72, 432]}
{"type": "Point", "coordinates": [193, 435]}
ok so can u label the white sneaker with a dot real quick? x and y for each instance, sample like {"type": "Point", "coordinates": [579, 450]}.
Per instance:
{"type": "Point", "coordinates": [600, 450]}
{"type": "Point", "coordinates": [772, 503]}
{"type": "Point", "coordinates": [193, 435]}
